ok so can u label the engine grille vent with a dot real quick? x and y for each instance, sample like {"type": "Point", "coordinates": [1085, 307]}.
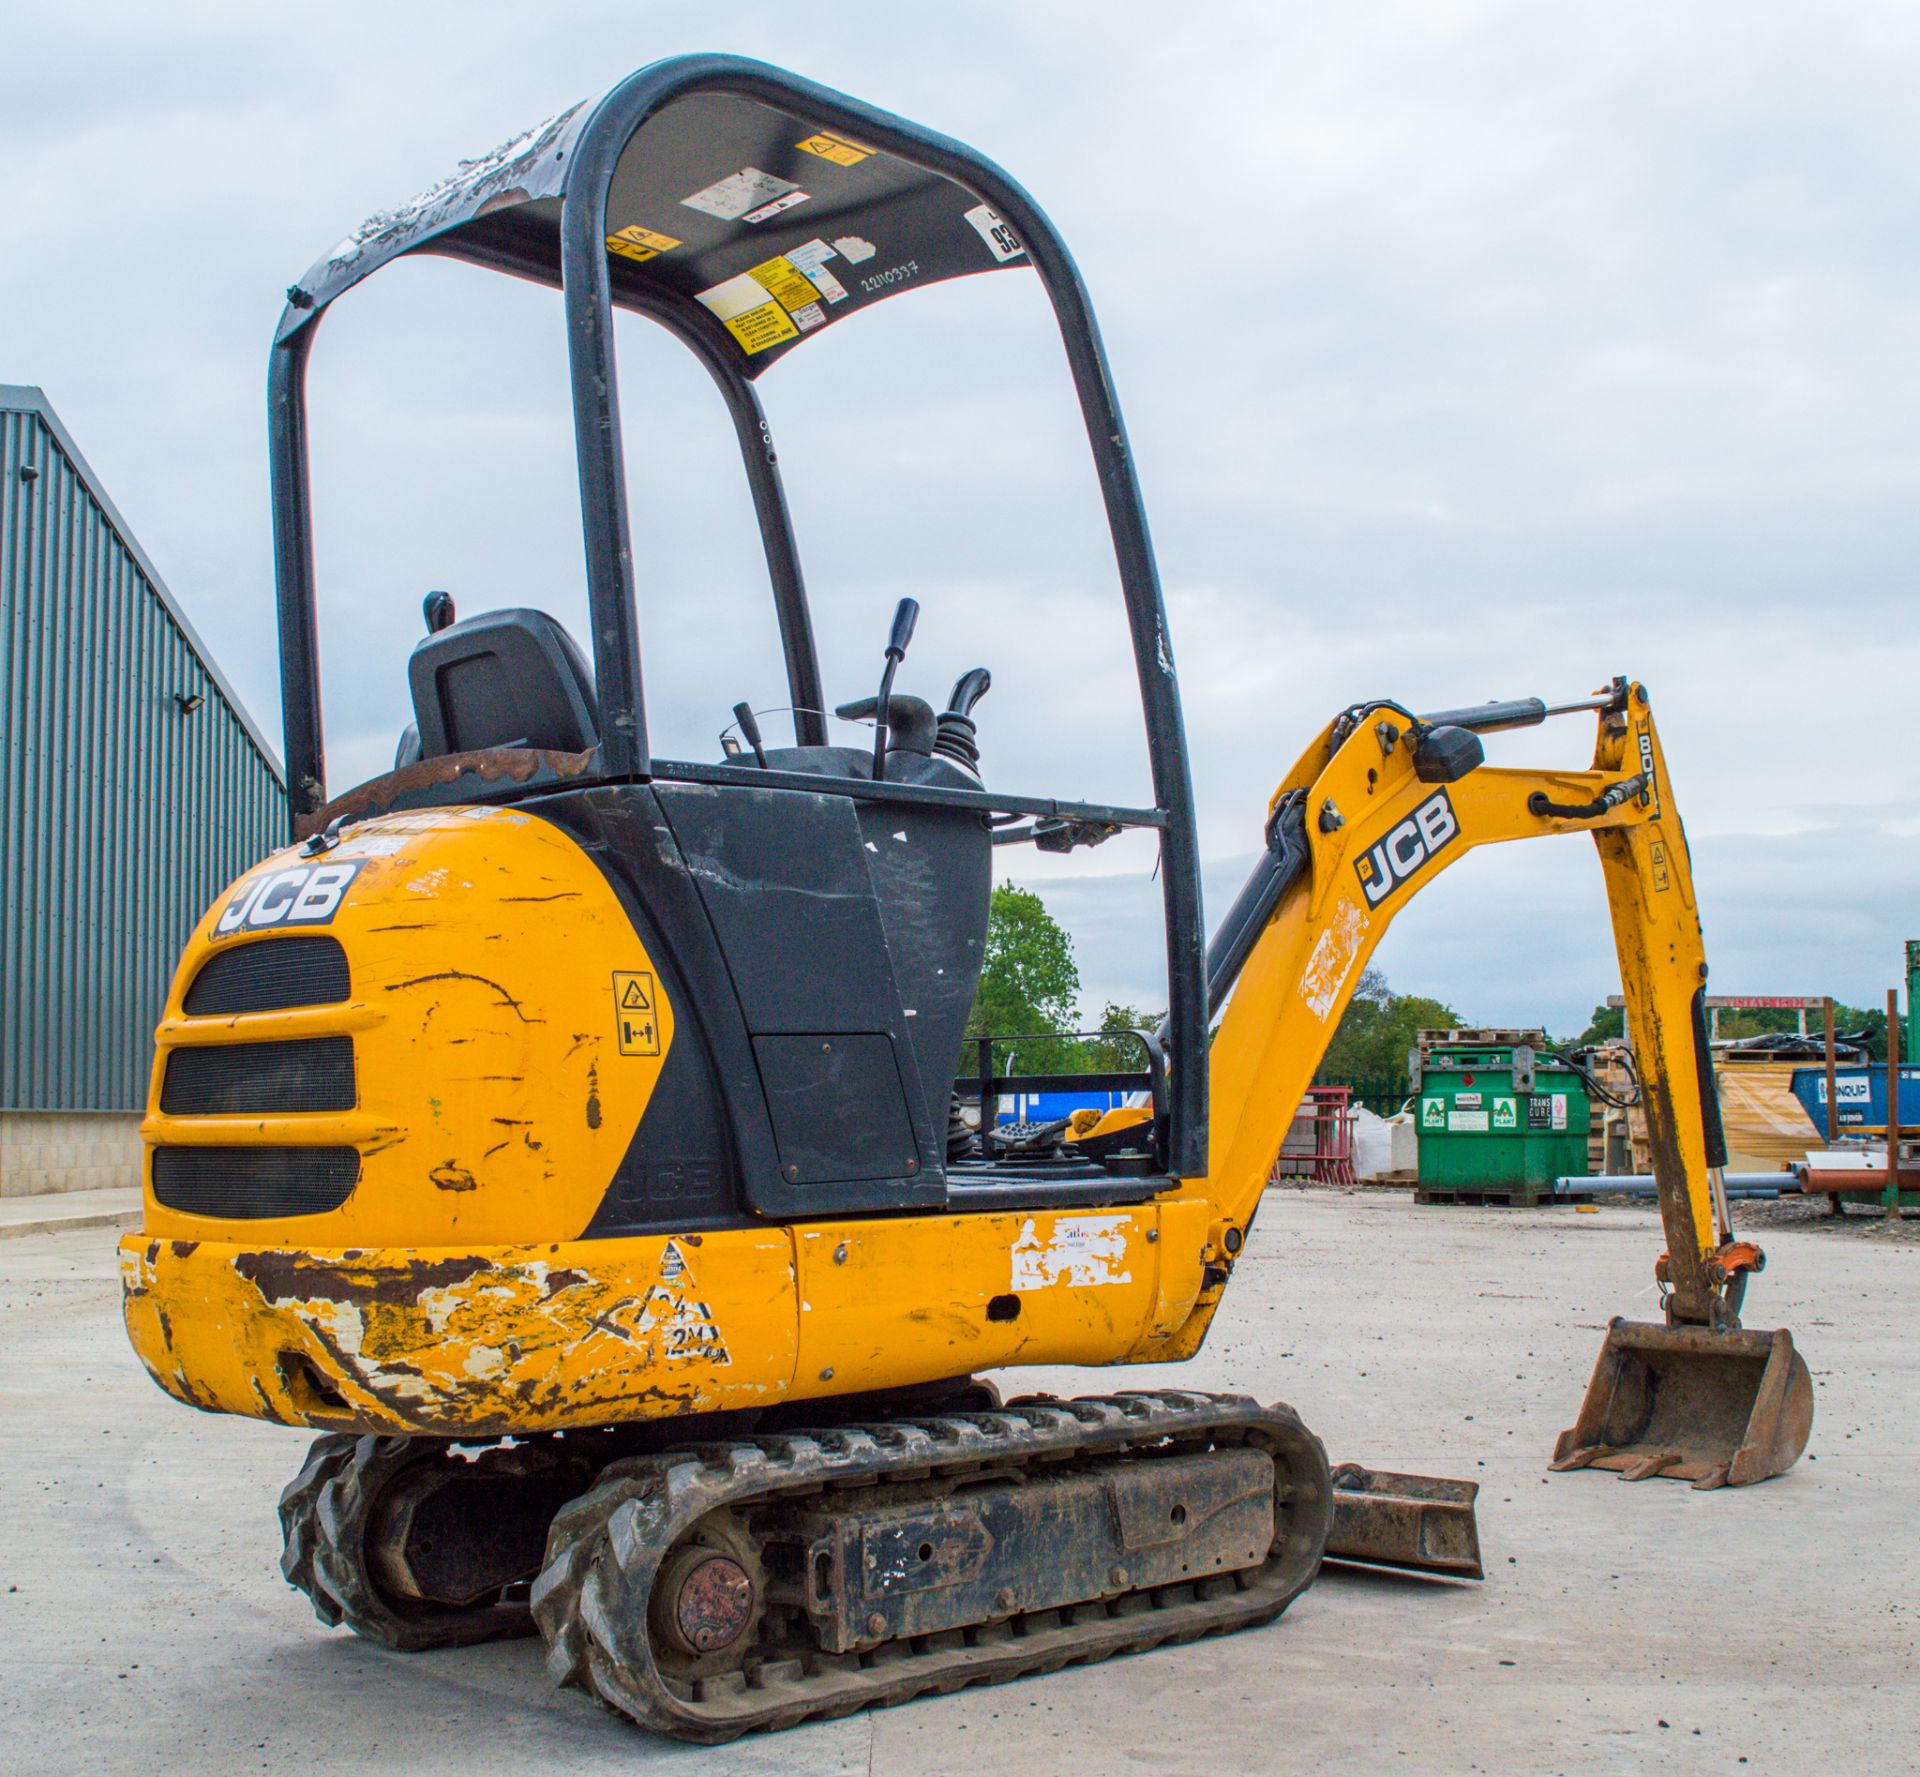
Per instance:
{"type": "Point", "coordinates": [309, 1074]}
{"type": "Point", "coordinates": [239, 1183]}
{"type": "Point", "coordinates": [270, 976]}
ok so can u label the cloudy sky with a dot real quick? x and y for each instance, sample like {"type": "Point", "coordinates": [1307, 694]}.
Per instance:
{"type": "Point", "coordinates": [1469, 350]}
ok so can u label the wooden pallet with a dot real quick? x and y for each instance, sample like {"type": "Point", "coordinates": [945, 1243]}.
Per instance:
{"type": "Point", "coordinates": [1519, 1198]}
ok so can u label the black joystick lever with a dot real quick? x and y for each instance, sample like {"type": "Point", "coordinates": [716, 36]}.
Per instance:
{"type": "Point", "coordinates": [750, 731]}
{"type": "Point", "coordinates": [437, 608]}
{"type": "Point", "coordinates": [956, 737]}
{"type": "Point", "coordinates": [905, 615]}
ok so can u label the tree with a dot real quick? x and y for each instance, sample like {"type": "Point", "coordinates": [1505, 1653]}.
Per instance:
{"type": "Point", "coordinates": [1379, 1028]}
{"type": "Point", "coordinates": [1116, 1053]}
{"type": "Point", "coordinates": [1029, 984]}
{"type": "Point", "coordinates": [1606, 1022]}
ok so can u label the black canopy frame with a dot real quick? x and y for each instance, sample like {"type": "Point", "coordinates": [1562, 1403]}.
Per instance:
{"type": "Point", "coordinates": [484, 220]}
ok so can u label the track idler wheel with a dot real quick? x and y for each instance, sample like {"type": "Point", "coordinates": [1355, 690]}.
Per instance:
{"type": "Point", "coordinates": [413, 1546]}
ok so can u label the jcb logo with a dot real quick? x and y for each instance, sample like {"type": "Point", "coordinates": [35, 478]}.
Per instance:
{"type": "Point", "coordinates": [1429, 829]}
{"type": "Point", "coordinates": [305, 895]}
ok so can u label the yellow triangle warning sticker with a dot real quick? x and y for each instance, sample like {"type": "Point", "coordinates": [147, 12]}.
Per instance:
{"type": "Point", "coordinates": [634, 999]}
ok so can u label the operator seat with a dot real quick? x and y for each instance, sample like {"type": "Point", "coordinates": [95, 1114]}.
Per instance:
{"type": "Point", "coordinates": [511, 678]}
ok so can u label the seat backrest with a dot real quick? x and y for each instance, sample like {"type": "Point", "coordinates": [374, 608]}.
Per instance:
{"type": "Point", "coordinates": [503, 679]}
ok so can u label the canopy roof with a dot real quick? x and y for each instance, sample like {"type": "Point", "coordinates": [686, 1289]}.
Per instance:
{"type": "Point", "coordinates": [772, 224]}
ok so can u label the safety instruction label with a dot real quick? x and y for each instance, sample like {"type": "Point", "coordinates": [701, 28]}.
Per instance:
{"type": "Point", "coordinates": [838, 149]}
{"type": "Point", "coordinates": [640, 243]}
{"type": "Point", "coordinates": [746, 196]}
{"type": "Point", "coordinates": [750, 312]}
{"type": "Point", "coordinates": [1657, 858]}
{"type": "Point", "coordinates": [781, 278]}
{"type": "Point", "coordinates": [635, 1016]}
{"type": "Point", "coordinates": [1469, 1122]}
{"type": "Point", "coordinates": [776, 300]}
{"type": "Point", "coordinates": [811, 257]}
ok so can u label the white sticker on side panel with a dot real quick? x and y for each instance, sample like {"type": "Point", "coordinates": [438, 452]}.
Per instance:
{"type": "Point", "coordinates": [853, 248]}
{"type": "Point", "coordinates": [732, 197]}
{"type": "Point", "coordinates": [992, 228]}
{"type": "Point", "coordinates": [1080, 1250]}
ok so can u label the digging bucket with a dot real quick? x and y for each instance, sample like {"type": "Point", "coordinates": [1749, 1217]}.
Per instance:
{"type": "Point", "coordinates": [1719, 1409]}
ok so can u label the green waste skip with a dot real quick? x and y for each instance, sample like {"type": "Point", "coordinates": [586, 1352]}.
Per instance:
{"type": "Point", "coordinates": [1497, 1120]}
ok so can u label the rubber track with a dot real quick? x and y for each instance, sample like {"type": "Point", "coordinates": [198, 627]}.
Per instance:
{"type": "Point", "coordinates": [324, 1512]}
{"type": "Point", "coordinates": [605, 1549]}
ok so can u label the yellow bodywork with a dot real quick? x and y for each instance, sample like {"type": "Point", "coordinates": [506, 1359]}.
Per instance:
{"type": "Point", "coordinates": [498, 1091]}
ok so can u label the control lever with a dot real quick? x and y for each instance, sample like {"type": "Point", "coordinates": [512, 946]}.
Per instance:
{"type": "Point", "coordinates": [437, 608]}
{"type": "Point", "coordinates": [956, 734]}
{"type": "Point", "coordinates": [750, 730]}
{"type": "Point", "coordinates": [905, 615]}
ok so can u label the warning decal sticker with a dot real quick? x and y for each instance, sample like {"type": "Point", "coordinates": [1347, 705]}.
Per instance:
{"type": "Point", "coordinates": [746, 196]}
{"type": "Point", "coordinates": [837, 149]}
{"type": "Point", "coordinates": [633, 1011]}
{"type": "Point", "coordinates": [750, 313]}
{"type": "Point", "coordinates": [640, 243]}
{"type": "Point", "coordinates": [777, 300]}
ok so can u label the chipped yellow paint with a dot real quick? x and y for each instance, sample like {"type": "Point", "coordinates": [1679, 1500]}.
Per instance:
{"type": "Point", "coordinates": [495, 1099]}
{"type": "Point", "coordinates": [530, 1338]}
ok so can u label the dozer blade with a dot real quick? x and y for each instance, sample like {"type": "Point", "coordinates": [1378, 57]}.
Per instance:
{"type": "Point", "coordinates": [1716, 1409]}
{"type": "Point", "coordinates": [1417, 1522]}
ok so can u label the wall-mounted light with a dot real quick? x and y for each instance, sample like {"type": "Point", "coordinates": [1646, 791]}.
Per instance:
{"type": "Point", "coordinates": [29, 472]}
{"type": "Point", "coordinates": [189, 701]}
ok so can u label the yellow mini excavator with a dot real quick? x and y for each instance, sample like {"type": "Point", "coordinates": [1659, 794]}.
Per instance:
{"type": "Point", "coordinates": [570, 1135]}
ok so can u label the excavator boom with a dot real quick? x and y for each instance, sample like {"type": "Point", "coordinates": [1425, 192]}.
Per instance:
{"type": "Point", "coordinates": [1377, 807]}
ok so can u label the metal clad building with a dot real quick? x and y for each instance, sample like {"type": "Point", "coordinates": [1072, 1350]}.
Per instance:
{"type": "Point", "coordinates": [134, 787]}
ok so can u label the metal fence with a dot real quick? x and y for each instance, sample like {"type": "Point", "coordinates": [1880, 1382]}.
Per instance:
{"type": "Point", "coordinates": [132, 784]}
{"type": "Point", "coordinates": [1382, 1094]}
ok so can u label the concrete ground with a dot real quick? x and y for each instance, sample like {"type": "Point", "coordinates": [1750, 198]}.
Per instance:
{"type": "Point", "coordinates": [1622, 1628]}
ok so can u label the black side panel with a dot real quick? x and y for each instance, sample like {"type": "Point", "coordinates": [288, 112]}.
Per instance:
{"type": "Point", "coordinates": [679, 1170]}
{"type": "Point", "coordinates": [932, 870]}
{"type": "Point", "coordinates": [706, 1125]}
{"type": "Point", "coordinates": [838, 1109]}
{"type": "Point", "coordinates": [784, 878]}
